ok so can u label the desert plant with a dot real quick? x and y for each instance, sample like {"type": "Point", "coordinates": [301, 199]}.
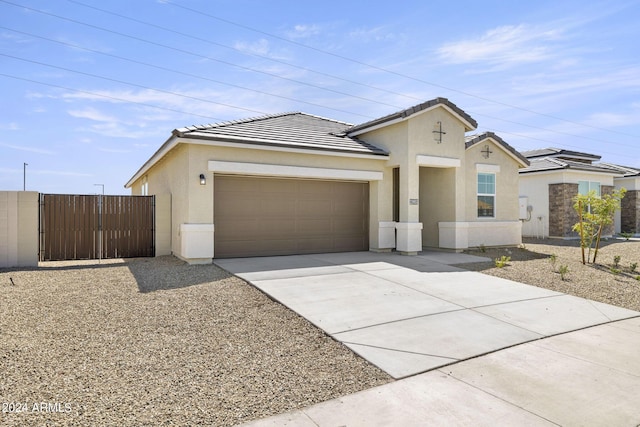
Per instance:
{"type": "Point", "coordinates": [638, 278]}
{"type": "Point", "coordinates": [633, 267]}
{"type": "Point", "coordinates": [594, 213]}
{"type": "Point", "coordinates": [626, 236]}
{"type": "Point", "coordinates": [563, 270]}
{"type": "Point", "coordinates": [616, 261]}
{"type": "Point", "coordinates": [553, 259]}
{"type": "Point", "coordinates": [615, 271]}
{"type": "Point", "coordinates": [502, 261]}
{"type": "Point", "coordinates": [482, 248]}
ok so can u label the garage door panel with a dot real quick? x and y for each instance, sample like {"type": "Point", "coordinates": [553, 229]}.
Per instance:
{"type": "Point", "coordinates": [234, 206]}
{"type": "Point", "coordinates": [256, 216]}
{"type": "Point", "coordinates": [310, 188]}
{"type": "Point", "coordinates": [315, 207]}
{"type": "Point", "coordinates": [278, 186]}
{"type": "Point", "coordinates": [311, 227]}
{"type": "Point", "coordinates": [348, 226]}
{"type": "Point", "coordinates": [276, 207]}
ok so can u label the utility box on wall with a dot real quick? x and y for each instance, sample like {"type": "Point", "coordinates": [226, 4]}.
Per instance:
{"type": "Point", "coordinates": [523, 203]}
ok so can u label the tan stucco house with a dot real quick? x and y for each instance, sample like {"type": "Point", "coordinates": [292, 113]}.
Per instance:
{"type": "Point", "coordinates": [296, 183]}
{"type": "Point", "coordinates": [550, 183]}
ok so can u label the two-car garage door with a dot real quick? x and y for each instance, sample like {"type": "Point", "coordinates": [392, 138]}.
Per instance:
{"type": "Point", "coordinates": [258, 216]}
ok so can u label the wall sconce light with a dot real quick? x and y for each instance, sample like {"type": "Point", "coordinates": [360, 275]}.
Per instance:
{"type": "Point", "coordinates": [203, 179]}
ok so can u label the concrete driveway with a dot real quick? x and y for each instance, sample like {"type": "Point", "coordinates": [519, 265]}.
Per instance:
{"type": "Point", "coordinates": [562, 361]}
{"type": "Point", "coordinates": [409, 315]}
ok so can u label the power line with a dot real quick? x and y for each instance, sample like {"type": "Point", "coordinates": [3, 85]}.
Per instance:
{"type": "Point", "coordinates": [114, 98]}
{"type": "Point", "coordinates": [132, 84]}
{"type": "Point", "coordinates": [219, 82]}
{"type": "Point", "coordinates": [244, 52]}
{"type": "Point", "coordinates": [245, 88]}
{"type": "Point", "coordinates": [196, 54]}
{"type": "Point", "coordinates": [386, 70]}
{"type": "Point", "coordinates": [159, 67]}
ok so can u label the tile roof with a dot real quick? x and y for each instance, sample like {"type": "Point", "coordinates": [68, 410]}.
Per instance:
{"type": "Point", "coordinates": [558, 152]}
{"type": "Point", "coordinates": [471, 140]}
{"type": "Point", "coordinates": [293, 130]}
{"type": "Point", "coordinates": [553, 163]}
{"type": "Point", "coordinates": [472, 124]}
{"type": "Point", "coordinates": [626, 170]}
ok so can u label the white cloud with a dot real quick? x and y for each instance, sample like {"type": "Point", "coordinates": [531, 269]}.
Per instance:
{"type": "Point", "coordinates": [302, 31]}
{"type": "Point", "coordinates": [10, 126]}
{"type": "Point", "coordinates": [372, 34]}
{"type": "Point", "coordinates": [502, 45]}
{"type": "Point", "coordinates": [25, 148]}
{"type": "Point", "coordinates": [92, 114]}
{"type": "Point", "coordinates": [258, 47]}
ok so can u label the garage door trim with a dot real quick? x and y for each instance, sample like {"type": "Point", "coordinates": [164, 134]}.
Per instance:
{"type": "Point", "coordinates": [266, 169]}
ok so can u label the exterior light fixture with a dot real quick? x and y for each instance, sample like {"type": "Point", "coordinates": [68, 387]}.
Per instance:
{"type": "Point", "coordinates": [203, 179]}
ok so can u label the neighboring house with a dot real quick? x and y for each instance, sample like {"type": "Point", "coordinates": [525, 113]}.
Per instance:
{"type": "Point", "coordinates": [296, 183]}
{"type": "Point", "coordinates": [628, 219]}
{"type": "Point", "coordinates": [550, 183]}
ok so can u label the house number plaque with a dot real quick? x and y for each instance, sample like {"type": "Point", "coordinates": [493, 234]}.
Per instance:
{"type": "Point", "coordinates": [413, 201]}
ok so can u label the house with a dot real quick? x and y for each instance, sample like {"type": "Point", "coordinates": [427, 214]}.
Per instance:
{"type": "Point", "coordinates": [628, 218]}
{"type": "Point", "coordinates": [296, 183]}
{"type": "Point", "coordinates": [550, 183]}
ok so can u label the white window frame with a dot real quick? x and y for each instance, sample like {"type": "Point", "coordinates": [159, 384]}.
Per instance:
{"type": "Point", "coordinates": [480, 194]}
{"type": "Point", "coordinates": [591, 185]}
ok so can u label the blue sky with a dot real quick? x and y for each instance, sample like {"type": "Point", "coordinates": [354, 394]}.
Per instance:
{"type": "Point", "coordinates": [90, 89]}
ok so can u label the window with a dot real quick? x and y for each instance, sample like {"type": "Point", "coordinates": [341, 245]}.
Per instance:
{"type": "Point", "coordinates": [585, 186]}
{"type": "Point", "coordinates": [145, 187]}
{"type": "Point", "coordinates": [486, 195]}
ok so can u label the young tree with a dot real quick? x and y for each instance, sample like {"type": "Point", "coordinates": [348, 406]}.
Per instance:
{"type": "Point", "coordinates": [595, 213]}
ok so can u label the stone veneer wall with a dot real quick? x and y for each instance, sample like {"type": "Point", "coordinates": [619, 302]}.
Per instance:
{"type": "Point", "coordinates": [629, 218]}
{"type": "Point", "coordinates": [562, 216]}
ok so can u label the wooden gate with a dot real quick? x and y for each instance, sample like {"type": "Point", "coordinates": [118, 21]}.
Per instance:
{"type": "Point", "coordinates": [92, 227]}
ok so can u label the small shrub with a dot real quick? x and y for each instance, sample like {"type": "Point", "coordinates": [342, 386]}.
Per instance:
{"type": "Point", "coordinates": [638, 278]}
{"type": "Point", "coordinates": [502, 261]}
{"type": "Point", "coordinates": [553, 259]}
{"type": "Point", "coordinates": [616, 261]}
{"type": "Point", "coordinates": [626, 236]}
{"type": "Point", "coordinates": [482, 248]}
{"type": "Point", "coordinates": [563, 270]}
{"type": "Point", "coordinates": [633, 267]}
{"type": "Point", "coordinates": [615, 271]}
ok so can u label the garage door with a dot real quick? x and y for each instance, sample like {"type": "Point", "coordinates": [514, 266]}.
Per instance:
{"type": "Point", "coordinates": [274, 216]}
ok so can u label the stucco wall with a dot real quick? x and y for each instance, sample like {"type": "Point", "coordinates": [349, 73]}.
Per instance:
{"type": "Point", "coordinates": [19, 228]}
{"type": "Point", "coordinates": [506, 208]}
{"type": "Point", "coordinates": [177, 174]}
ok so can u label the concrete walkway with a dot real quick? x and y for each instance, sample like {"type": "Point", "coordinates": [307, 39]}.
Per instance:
{"type": "Point", "coordinates": [410, 315]}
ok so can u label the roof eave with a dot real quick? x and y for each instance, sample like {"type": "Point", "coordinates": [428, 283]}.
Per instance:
{"type": "Point", "coordinates": [400, 116]}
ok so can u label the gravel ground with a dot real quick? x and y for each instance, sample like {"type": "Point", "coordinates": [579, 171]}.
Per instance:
{"type": "Point", "coordinates": [153, 341]}
{"type": "Point", "coordinates": [532, 264]}
{"type": "Point", "coordinates": [156, 342]}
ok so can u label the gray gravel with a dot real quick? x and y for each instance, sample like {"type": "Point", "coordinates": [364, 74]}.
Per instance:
{"type": "Point", "coordinates": [531, 264]}
{"type": "Point", "coordinates": [157, 342]}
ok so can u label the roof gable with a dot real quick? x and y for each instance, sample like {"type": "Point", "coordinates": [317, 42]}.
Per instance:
{"type": "Point", "coordinates": [472, 140]}
{"type": "Point", "coordinates": [390, 119]}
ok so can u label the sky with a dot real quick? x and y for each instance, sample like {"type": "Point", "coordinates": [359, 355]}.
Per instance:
{"type": "Point", "coordinates": [91, 89]}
